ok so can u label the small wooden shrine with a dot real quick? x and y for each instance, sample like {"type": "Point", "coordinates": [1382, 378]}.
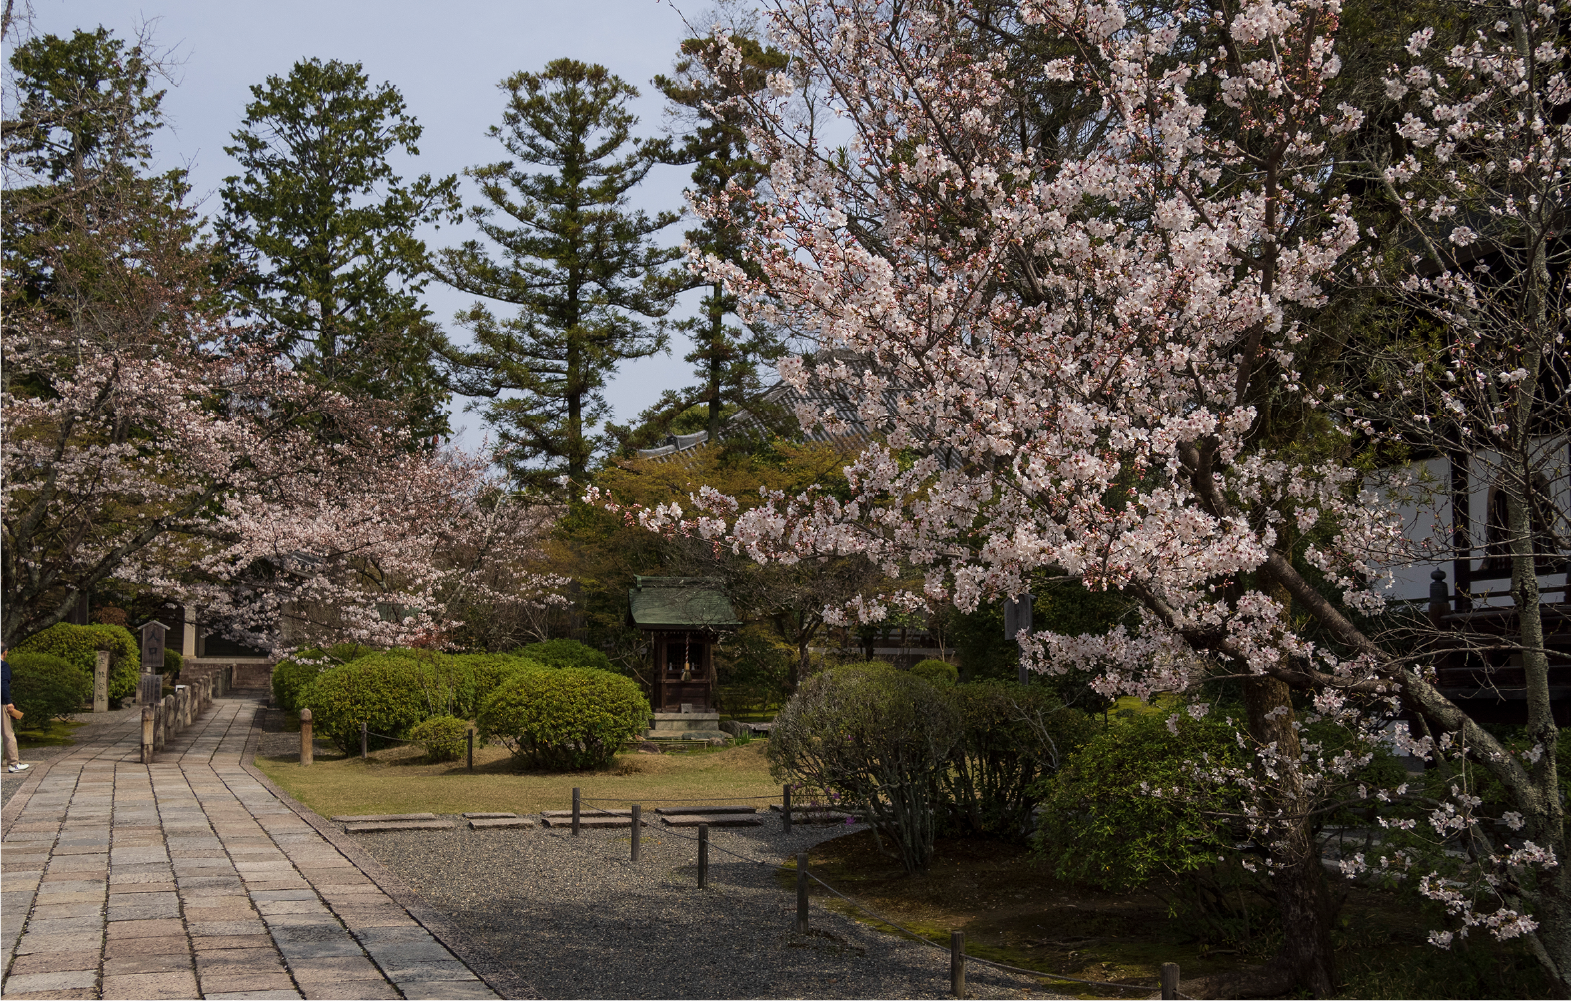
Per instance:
{"type": "Point", "coordinates": [684, 617]}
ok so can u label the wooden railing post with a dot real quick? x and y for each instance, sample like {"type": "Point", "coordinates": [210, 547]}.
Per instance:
{"type": "Point", "coordinates": [576, 813]}
{"type": "Point", "coordinates": [801, 892]}
{"type": "Point", "coordinates": [703, 856]}
{"type": "Point", "coordinates": [1169, 981]}
{"type": "Point", "coordinates": [957, 963]}
{"type": "Point", "coordinates": [638, 827]}
{"type": "Point", "coordinates": [785, 806]}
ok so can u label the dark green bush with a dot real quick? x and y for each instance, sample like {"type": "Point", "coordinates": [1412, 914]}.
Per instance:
{"type": "Point", "coordinates": [474, 676]}
{"type": "Point", "coordinates": [444, 737]}
{"type": "Point", "coordinates": [173, 663]}
{"type": "Point", "coordinates": [565, 653]}
{"type": "Point", "coordinates": [572, 719]}
{"type": "Point", "coordinates": [79, 646]}
{"type": "Point", "coordinates": [291, 676]}
{"type": "Point", "coordinates": [390, 691]}
{"type": "Point", "coordinates": [47, 687]}
{"type": "Point", "coordinates": [1010, 739]}
{"type": "Point", "coordinates": [936, 672]}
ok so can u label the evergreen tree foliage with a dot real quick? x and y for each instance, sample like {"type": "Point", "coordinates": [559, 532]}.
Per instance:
{"type": "Point", "coordinates": [726, 357]}
{"type": "Point", "coordinates": [578, 263]}
{"type": "Point", "coordinates": [321, 232]}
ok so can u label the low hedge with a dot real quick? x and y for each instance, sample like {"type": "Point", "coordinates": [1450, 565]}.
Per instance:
{"type": "Point", "coordinates": [565, 653]}
{"type": "Point", "coordinates": [79, 646]}
{"type": "Point", "coordinates": [571, 719]}
{"type": "Point", "coordinates": [46, 687]}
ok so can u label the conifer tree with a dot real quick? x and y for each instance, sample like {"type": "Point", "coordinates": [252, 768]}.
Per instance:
{"type": "Point", "coordinates": [725, 356]}
{"type": "Point", "coordinates": [578, 263]}
{"type": "Point", "coordinates": [321, 233]}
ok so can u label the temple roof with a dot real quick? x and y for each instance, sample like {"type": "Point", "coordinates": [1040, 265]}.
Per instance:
{"type": "Point", "coordinates": [679, 603]}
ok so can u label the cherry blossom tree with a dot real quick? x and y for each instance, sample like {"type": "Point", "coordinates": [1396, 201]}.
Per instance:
{"type": "Point", "coordinates": [1115, 362]}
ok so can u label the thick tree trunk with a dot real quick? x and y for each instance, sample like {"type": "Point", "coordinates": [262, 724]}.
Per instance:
{"type": "Point", "coordinates": [1299, 878]}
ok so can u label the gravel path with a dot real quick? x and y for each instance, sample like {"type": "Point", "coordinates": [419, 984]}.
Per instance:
{"type": "Point", "coordinates": [578, 919]}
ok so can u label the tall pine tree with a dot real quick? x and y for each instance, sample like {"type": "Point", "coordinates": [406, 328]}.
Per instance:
{"type": "Point", "coordinates": [575, 259]}
{"type": "Point", "coordinates": [726, 357]}
{"type": "Point", "coordinates": [320, 234]}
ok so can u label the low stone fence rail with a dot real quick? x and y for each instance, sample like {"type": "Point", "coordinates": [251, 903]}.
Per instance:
{"type": "Point", "coordinates": [164, 719]}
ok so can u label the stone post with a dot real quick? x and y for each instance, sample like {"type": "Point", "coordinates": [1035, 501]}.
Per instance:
{"type": "Point", "coordinates": [101, 683]}
{"type": "Point", "coordinates": [149, 721]}
{"type": "Point", "coordinates": [305, 737]}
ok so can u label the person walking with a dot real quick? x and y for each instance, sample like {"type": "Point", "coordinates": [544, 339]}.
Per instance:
{"type": "Point", "coordinates": [13, 758]}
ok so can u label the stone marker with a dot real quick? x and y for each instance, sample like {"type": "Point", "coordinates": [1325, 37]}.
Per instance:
{"type": "Point", "coordinates": [483, 824]}
{"type": "Point", "coordinates": [714, 820]}
{"type": "Point", "coordinates": [400, 825]}
{"type": "Point", "coordinates": [488, 816]}
{"type": "Point", "coordinates": [684, 810]}
{"type": "Point", "coordinates": [377, 818]}
{"type": "Point", "coordinates": [101, 683]}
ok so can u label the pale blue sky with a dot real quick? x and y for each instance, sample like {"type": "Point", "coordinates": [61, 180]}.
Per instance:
{"type": "Point", "coordinates": [446, 59]}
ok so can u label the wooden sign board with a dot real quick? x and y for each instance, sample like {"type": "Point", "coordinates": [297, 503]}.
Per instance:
{"type": "Point", "coordinates": [153, 647]}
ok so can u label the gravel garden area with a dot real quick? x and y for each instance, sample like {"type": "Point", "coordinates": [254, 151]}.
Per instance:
{"type": "Point", "coordinates": [577, 918]}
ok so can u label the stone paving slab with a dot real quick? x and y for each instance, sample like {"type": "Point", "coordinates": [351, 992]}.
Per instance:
{"type": "Point", "coordinates": [713, 820]}
{"type": "Point", "coordinates": [488, 816]}
{"type": "Point", "coordinates": [708, 811]}
{"type": "Point", "coordinates": [594, 821]}
{"type": "Point", "coordinates": [485, 823]}
{"type": "Point", "coordinates": [381, 818]}
{"type": "Point", "coordinates": [192, 877]}
{"type": "Point", "coordinates": [400, 825]}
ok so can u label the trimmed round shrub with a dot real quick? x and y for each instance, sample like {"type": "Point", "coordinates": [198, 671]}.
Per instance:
{"type": "Point", "coordinates": [474, 676]}
{"type": "Point", "coordinates": [565, 653]}
{"type": "Point", "coordinates": [936, 672]}
{"type": "Point", "coordinates": [571, 719]}
{"type": "Point", "coordinates": [444, 737]}
{"type": "Point", "coordinates": [47, 687]}
{"type": "Point", "coordinates": [79, 646]}
{"type": "Point", "coordinates": [173, 663]}
{"type": "Point", "coordinates": [390, 691]}
{"type": "Point", "coordinates": [291, 676]}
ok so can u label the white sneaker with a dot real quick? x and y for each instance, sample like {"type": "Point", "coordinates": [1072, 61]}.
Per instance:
{"type": "Point", "coordinates": [18, 767]}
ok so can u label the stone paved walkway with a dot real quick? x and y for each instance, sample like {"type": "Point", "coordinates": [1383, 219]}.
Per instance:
{"type": "Point", "coordinates": [190, 878]}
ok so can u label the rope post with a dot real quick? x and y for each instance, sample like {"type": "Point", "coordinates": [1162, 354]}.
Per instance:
{"type": "Point", "coordinates": [147, 734]}
{"type": "Point", "coordinates": [957, 963]}
{"type": "Point", "coordinates": [1169, 981]}
{"type": "Point", "coordinates": [703, 856]}
{"type": "Point", "coordinates": [575, 811]}
{"type": "Point", "coordinates": [785, 807]}
{"type": "Point", "coordinates": [801, 892]}
{"type": "Point", "coordinates": [638, 825]}
{"type": "Point", "coordinates": [363, 729]}
{"type": "Point", "coordinates": [471, 735]}
{"type": "Point", "coordinates": [306, 748]}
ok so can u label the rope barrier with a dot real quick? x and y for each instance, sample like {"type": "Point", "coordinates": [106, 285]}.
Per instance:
{"type": "Point", "coordinates": [882, 919]}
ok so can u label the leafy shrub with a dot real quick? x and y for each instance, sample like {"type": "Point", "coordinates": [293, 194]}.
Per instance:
{"type": "Point", "coordinates": [47, 687]}
{"type": "Point", "coordinates": [291, 676]}
{"type": "Point", "coordinates": [1101, 824]}
{"type": "Point", "coordinates": [876, 738]}
{"type": "Point", "coordinates": [79, 646]}
{"type": "Point", "coordinates": [572, 719]}
{"type": "Point", "coordinates": [109, 615]}
{"type": "Point", "coordinates": [444, 737]}
{"type": "Point", "coordinates": [474, 676]}
{"type": "Point", "coordinates": [173, 663]}
{"type": "Point", "coordinates": [565, 653]}
{"type": "Point", "coordinates": [1011, 738]}
{"type": "Point", "coordinates": [390, 691]}
{"type": "Point", "coordinates": [936, 672]}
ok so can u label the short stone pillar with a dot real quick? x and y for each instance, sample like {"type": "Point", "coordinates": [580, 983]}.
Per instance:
{"type": "Point", "coordinates": [149, 723]}
{"type": "Point", "coordinates": [170, 703]}
{"type": "Point", "coordinates": [305, 737]}
{"type": "Point", "coordinates": [101, 683]}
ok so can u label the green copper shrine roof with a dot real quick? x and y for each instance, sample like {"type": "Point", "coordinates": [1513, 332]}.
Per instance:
{"type": "Point", "coordinates": [679, 603]}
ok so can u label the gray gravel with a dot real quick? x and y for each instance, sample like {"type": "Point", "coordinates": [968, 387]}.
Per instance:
{"type": "Point", "coordinates": [576, 918]}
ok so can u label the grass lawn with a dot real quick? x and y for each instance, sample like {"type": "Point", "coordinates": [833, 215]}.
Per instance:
{"type": "Point", "coordinates": [53, 733]}
{"type": "Point", "coordinates": [400, 781]}
{"type": "Point", "coordinates": [1014, 911]}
